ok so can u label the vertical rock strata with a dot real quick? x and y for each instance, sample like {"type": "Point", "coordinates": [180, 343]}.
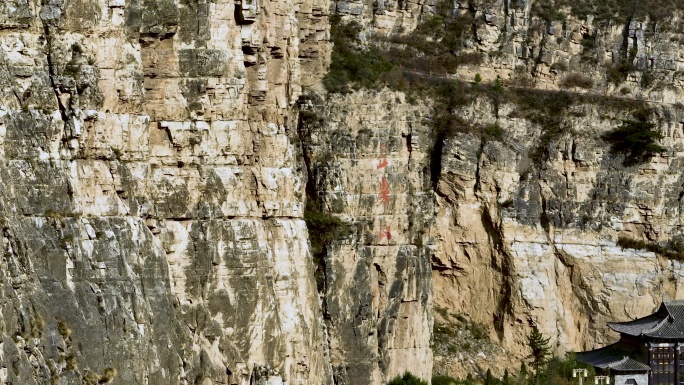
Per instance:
{"type": "Point", "coordinates": [152, 199]}
{"type": "Point", "coordinates": [527, 224]}
{"type": "Point", "coordinates": [367, 156]}
{"type": "Point", "coordinates": [155, 168]}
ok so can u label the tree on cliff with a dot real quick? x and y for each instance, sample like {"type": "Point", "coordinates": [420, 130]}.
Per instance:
{"type": "Point", "coordinates": [489, 378]}
{"type": "Point", "coordinates": [540, 350]}
{"type": "Point", "coordinates": [636, 139]}
{"type": "Point", "coordinates": [506, 380]}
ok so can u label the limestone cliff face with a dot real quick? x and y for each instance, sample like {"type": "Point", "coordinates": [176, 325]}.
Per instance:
{"type": "Point", "coordinates": [544, 250]}
{"type": "Point", "coordinates": [155, 170]}
{"type": "Point", "coordinates": [526, 224]}
{"type": "Point", "coordinates": [368, 157]}
{"type": "Point", "coordinates": [152, 196]}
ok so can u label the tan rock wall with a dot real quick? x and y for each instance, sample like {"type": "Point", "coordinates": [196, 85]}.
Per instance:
{"type": "Point", "coordinates": [152, 200]}
{"type": "Point", "coordinates": [519, 242]}
{"type": "Point", "coordinates": [368, 155]}
{"type": "Point", "coordinates": [538, 242]}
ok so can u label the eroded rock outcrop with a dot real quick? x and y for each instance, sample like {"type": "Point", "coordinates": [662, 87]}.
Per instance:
{"type": "Point", "coordinates": [527, 222]}
{"type": "Point", "coordinates": [151, 196]}
{"type": "Point", "coordinates": [368, 160]}
{"type": "Point", "coordinates": [155, 171]}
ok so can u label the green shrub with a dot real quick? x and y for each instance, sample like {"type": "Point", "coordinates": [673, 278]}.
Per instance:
{"type": "Point", "coordinates": [351, 65]}
{"type": "Point", "coordinates": [647, 79]}
{"type": "Point", "coordinates": [547, 11]}
{"type": "Point", "coordinates": [635, 139]}
{"type": "Point", "coordinates": [604, 10]}
{"type": "Point", "coordinates": [547, 109]}
{"type": "Point", "coordinates": [618, 73]}
{"type": "Point", "coordinates": [493, 132]}
{"type": "Point", "coordinates": [436, 45]}
{"type": "Point", "coordinates": [407, 379]}
{"type": "Point", "coordinates": [323, 229]}
{"type": "Point", "coordinates": [673, 249]}
{"type": "Point", "coordinates": [577, 80]}
{"type": "Point", "coordinates": [434, 48]}
{"type": "Point", "coordinates": [478, 331]}
{"type": "Point", "coordinates": [588, 41]}
{"type": "Point", "coordinates": [556, 371]}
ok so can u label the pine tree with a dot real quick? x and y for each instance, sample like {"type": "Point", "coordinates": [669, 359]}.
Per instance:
{"type": "Point", "coordinates": [523, 370]}
{"type": "Point", "coordinates": [489, 379]}
{"type": "Point", "coordinates": [506, 380]}
{"type": "Point", "coordinates": [469, 379]}
{"type": "Point", "coordinates": [498, 85]}
{"type": "Point", "coordinates": [540, 349]}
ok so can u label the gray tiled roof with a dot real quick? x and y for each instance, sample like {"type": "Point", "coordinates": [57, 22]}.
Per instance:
{"type": "Point", "coordinates": [666, 323]}
{"type": "Point", "coordinates": [615, 357]}
{"type": "Point", "coordinates": [606, 356]}
{"type": "Point", "coordinates": [628, 364]}
{"type": "Point", "coordinates": [637, 327]}
{"type": "Point", "coordinates": [625, 355]}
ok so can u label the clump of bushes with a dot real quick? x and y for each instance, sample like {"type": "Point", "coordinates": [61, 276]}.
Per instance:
{"type": "Point", "coordinates": [323, 229]}
{"type": "Point", "coordinates": [577, 80]}
{"type": "Point", "coordinates": [556, 371]}
{"type": "Point", "coordinates": [445, 380]}
{"type": "Point", "coordinates": [493, 132]}
{"type": "Point", "coordinates": [672, 249]}
{"type": "Point", "coordinates": [617, 74]}
{"type": "Point", "coordinates": [407, 379]}
{"type": "Point", "coordinates": [635, 139]}
{"type": "Point", "coordinates": [547, 109]}
{"type": "Point", "coordinates": [436, 44]}
{"type": "Point", "coordinates": [548, 11]}
{"type": "Point", "coordinates": [604, 10]}
{"type": "Point", "coordinates": [449, 332]}
{"type": "Point", "coordinates": [352, 64]}
{"type": "Point", "coordinates": [433, 49]}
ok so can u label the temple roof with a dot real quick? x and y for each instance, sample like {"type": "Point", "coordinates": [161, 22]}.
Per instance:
{"type": "Point", "coordinates": [629, 365]}
{"type": "Point", "coordinates": [615, 357]}
{"type": "Point", "coordinates": [628, 354]}
{"type": "Point", "coordinates": [666, 323]}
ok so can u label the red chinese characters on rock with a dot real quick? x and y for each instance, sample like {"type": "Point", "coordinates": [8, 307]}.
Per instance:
{"type": "Point", "coordinates": [383, 157]}
{"type": "Point", "coordinates": [384, 191]}
{"type": "Point", "coordinates": [385, 233]}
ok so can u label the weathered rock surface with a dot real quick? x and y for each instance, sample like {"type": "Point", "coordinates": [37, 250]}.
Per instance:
{"type": "Point", "coordinates": [153, 190]}
{"type": "Point", "coordinates": [518, 241]}
{"type": "Point", "coordinates": [151, 193]}
{"type": "Point", "coordinates": [543, 248]}
{"type": "Point", "coordinates": [368, 159]}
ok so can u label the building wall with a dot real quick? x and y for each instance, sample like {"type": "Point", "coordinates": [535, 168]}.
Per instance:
{"type": "Point", "coordinates": [624, 379]}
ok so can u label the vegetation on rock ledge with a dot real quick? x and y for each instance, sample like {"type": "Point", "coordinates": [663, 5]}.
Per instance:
{"type": "Point", "coordinates": [672, 249]}
{"type": "Point", "coordinates": [636, 139]}
{"type": "Point", "coordinates": [352, 65]}
{"type": "Point", "coordinates": [604, 10]}
{"type": "Point", "coordinates": [556, 371]}
{"type": "Point", "coordinates": [407, 379]}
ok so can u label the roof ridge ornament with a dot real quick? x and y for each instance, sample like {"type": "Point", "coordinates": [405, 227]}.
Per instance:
{"type": "Point", "coordinates": [616, 363]}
